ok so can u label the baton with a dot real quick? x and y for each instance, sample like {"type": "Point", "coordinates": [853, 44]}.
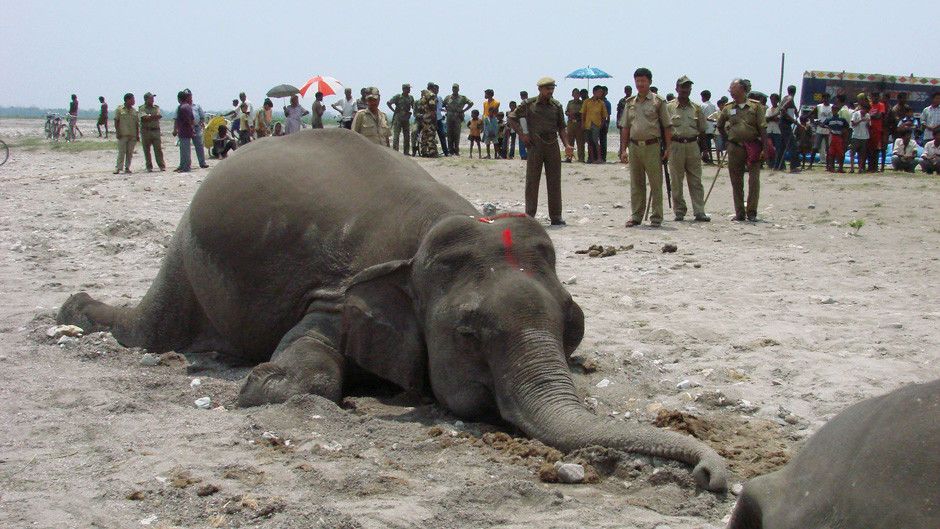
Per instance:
{"type": "Point", "coordinates": [714, 179]}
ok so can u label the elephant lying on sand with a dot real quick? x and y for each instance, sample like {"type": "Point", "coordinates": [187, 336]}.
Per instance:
{"type": "Point", "coordinates": [321, 254]}
{"type": "Point", "coordinates": [876, 465]}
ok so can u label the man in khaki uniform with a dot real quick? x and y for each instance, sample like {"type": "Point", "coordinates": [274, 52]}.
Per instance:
{"type": "Point", "coordinates": [743, 126]}
{"type": "Point", "coordinates": [455, 107]}
{"type": "Point", "coordinates": [644, 124]}
{"type": "Point", "coordinates": [370, 122]}
{"type": "Point", "coordinates": [127, 129]}
{"type": "Point", "coordinates": [575, 129]}
{"type": "Point", "coordinates": [539, 121]}
{"type": "Point", "coordinates": [685, 157]}
{"type": "Point", "coordinates": [150, 132]}
{"type": "Point", "coordinates": [401, 105]}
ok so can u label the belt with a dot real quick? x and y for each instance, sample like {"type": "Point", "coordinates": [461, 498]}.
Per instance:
{"type": "Point", "coordinates": [645, 142]}
{"type": "Point", "coordinates": [684, 140]}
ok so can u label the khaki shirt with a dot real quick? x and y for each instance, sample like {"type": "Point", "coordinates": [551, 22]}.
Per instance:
{"type": "Point", "coordinates": [687, 120]}
{"type": "Point", "coordinates": [543, 119]}
{"type": "Point", "coordinates": [149, 125]}
{"type": "Point", "coordinates": [644, 116]}
{"type": "Point", "coordinates": [744, 122]}
{"type": "Point", "coordinates": [403, 104]}
{"type": "Point", "coordinates": [126, 122]}
{"type": "Point", "coordinates": [573, 110]}
{"type": "Point", "coordinates": [375, 129]}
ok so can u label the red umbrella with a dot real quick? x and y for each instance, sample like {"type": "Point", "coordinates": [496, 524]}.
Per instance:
{"type": "Point", "coordinates": [327, 85]}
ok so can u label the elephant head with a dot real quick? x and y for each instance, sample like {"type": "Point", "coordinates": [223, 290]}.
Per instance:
{"type": "Point", "coordinates": [479, 314]}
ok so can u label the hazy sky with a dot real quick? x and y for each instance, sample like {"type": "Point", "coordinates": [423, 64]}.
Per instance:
{"type": "Point", "coordinates": [220, 48]}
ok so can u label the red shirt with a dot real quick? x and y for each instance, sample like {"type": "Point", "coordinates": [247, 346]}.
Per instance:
{"type": "Point", "coordinates": [877, 124]}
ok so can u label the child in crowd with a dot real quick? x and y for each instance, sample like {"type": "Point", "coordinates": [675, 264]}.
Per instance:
{"type": "Point", "coordinates": [805, 135]}
{"type": "Point", "coordinates": [244, 132]}
{"type": "Point", "coordinates": [501, 135]}
{"type": "Point", "coordinates": [861, 131]}
{"type": "Point", "coordinates": [510, 139]}
{"type": "Point", "coordinates": [476, 129]}
{"type": "Point", "coordinates": [838, 134]}
{"type": "Point", "coordinates": [490, 129]}
{"type": "Point", "coordinates": [222, 143]}
{"type": "Point", "coordinates": [278, 129]}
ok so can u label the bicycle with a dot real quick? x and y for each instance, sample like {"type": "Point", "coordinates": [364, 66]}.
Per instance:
{"type": "Point", "coordinates": [71, 129]}
{"type": "Point", "coordinates": [4, 152]}
{"type": "Point", "coordinates": [55, 127]}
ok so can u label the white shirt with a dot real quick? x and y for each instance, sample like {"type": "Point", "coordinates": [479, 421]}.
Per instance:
{"type": "Point", "coordinates": [931, 151]}
{"type": "Point", "coordinates": [293, 115]}
{"type": "Point", "coordinates": [239, 107]}
{"type": "Point", "coordinates": [909, 151]}
{"type": "Point", "coordinates": [930, 117]}
{"type": "Point", "coordinates": [860, 125]}
{"type": "Point", "coordinates": [707, 110]}
{"type": "Point", "coordinates": [347, 108]}
{"type": "Point", "coordinates": [823, 112]}
{"type": "Point", "coordinates": [773, 127]}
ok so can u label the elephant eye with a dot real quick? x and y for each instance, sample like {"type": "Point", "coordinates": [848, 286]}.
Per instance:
{"type": "Point", "coordinates": [452, 260]}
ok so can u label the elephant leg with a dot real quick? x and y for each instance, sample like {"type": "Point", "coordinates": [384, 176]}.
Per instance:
{"type": "Point", "coordinates": [168, 318]}
{"type": "Point", "coordinates": [306, 361]}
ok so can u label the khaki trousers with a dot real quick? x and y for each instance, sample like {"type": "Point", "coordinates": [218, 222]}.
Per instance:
{"type": "Point", "coordinates": [685, 162]}
{"type": "Point", "coordinates": [401, 125]}
{"type": "Point", "coordinates": [576, 136]}
{"type": "Point", "coordinates": [737, 165]}
{"type": "Point", "coordinates": [148, 139]}
{"type": "Point", "coordinates": [125, 152]}
{"type": "Point", "coordinates": [546, 154]}
{"type": "Point", "coordinates": [646, 164]}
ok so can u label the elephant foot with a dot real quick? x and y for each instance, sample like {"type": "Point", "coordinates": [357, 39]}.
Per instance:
{"type": "Point", "coordinates": [306, 371]}
{"type": "Point", "coordinates": [75, 312]}
{"type": "Point", "coordinates": [266, 384]}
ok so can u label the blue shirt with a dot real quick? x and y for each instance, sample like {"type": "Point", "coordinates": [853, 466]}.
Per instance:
{"type": "Point", "coordinates": [199, 119]}
{"type": "Point", "coordinates": [438, 114]}
{"type": "Point", "coordinates": [607, 104]}
{"type": "Point", "coordinates": [836, 125]}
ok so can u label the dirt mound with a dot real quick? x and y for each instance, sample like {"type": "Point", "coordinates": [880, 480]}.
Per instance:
{"type": "Point", "coordinates": [129, 228]}
{"type": "Point", "coordinates": [752, 447]}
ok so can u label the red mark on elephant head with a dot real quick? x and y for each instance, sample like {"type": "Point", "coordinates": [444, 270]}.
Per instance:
{"type": "Point", "coordinates": [507, 249]}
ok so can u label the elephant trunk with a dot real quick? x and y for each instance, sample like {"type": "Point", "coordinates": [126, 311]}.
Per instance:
{"type": "Point", "coordinates": [535, 392]}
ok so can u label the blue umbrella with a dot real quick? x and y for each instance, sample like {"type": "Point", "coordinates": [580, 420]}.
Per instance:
{"type": "Point", "coordinates": [589, 73]}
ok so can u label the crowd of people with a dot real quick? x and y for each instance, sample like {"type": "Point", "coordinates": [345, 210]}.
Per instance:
{"type": "Point", "coordinates": [671, 137]}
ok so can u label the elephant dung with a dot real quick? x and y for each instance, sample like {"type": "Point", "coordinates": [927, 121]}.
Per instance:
{"type": "Point", "coordinates": [670, 248]}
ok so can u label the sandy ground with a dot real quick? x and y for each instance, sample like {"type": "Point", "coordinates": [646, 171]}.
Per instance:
{"type": "Point", "coordinates": [776, 325]}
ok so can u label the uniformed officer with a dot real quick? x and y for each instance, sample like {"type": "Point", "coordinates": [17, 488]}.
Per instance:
{"type": "Point", "coordinates": [401, 105]}
{"type": "Point", "coordinates": [427, 126]}
{"type": "Point", "coordinates": [743, 126]}
{"type": "Point", "coordinates": [575, 129]}
{"type": "Point", "coordinates": [644, 124]}
{"type": "Point", "coordinates": [127, 129]}
{"type": "Point", "coordinates": [370, 122]}
{"type": "Point", "coordinates": [539, 121]}
{"type": "Point", "coordinates": [685, 158]}
{"type": "Point", "coordinates": [150, 132]}
{"type": "Point", "coordinates": [455, 105]}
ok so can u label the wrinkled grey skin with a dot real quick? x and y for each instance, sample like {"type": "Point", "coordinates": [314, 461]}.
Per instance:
{"type": "Point", "coordinates": [876, 465]}
{"type": "Point", "coordinates": [320, 254]}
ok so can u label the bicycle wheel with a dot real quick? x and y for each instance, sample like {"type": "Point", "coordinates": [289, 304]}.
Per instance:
{"type": "Point", "coordinates": [4, 152]}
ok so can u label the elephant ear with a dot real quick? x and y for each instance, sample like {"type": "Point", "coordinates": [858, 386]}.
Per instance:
{"type": "Point", "coordinates": [380, 329]}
